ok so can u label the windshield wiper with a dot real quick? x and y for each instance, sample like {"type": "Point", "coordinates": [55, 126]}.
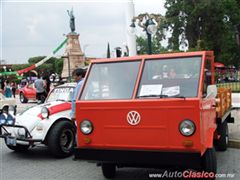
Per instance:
{"type": "Point", "coordinates": [154, 95]}
{"type": "Point", "coordinates": [182, 97]}
{"type": "Point", "coordinates": [60, 100]}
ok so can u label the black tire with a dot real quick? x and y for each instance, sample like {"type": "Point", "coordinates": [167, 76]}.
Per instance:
{"type": "Point", "coordinates": [18, 147]}
{"type": "Point", "coordinates": [209, 162]}
{"type": "Point", "coordinates": [222, 142]}
{"type": "Point", "coordinates": [61, 139]}
{"type": "Point", "coordinates": [5, 109]}
{"type": "Point", "coordinates": [108, 170]}
{"type": "Point", "coordinates": [23, 99]}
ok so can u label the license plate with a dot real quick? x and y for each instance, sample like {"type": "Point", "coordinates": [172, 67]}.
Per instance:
{"type": "Point", "coordinates": [11, 141]}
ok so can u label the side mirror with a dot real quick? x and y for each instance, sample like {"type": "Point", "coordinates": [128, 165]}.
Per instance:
{"type": "Point", "coordinates": [211, 91]}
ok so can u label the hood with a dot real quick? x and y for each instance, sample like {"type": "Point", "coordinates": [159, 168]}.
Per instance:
{"type": "Point", "coordinates": [31, 117]}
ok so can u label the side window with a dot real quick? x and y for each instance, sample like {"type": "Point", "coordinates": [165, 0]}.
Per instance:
{"type": "Point", "coordinates": [31, 86]}
{"type": "Point", "coordinates": [207, 76]}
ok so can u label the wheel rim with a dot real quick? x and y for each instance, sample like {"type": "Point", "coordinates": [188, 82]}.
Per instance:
{"type": "Point", "coordinates": [227, 138]}
{"type": "Point", "coordinates": [66, 140]}
{"type": "Point", "coordinates": [21, 97]}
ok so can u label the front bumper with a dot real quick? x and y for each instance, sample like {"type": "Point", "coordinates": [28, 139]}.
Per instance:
{"type": "Point", "coordinates": [5, 133]}
{"type": "Point", "coordinates": [138, 158]}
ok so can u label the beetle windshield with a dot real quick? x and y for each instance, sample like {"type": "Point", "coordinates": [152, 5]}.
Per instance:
{"type": "Point", "coordinates": [164, 78]}
{"type": "Point", "coordinates": [60, 94]}
{"type": "Point", "coordinates": [114, 80]}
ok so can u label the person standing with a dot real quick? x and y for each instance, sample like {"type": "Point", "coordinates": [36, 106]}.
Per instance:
{"type": "Point", "coordinates": [78, 75]}
{"type": "Point", "coordinates": [14, 88]}
{"type": "Point", "coordinates": [47, 83]}
{"type": "Point", "coordinates": [40, 89]}
{"type": "Point", "coordinates": [7, 89]}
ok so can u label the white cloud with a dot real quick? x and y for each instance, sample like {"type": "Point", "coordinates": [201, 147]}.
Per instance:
{"type": "Point", "coordinates": [36, 28]}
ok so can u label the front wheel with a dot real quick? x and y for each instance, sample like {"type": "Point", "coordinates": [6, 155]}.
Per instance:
{"type": "Point", "coordinates": [222, 143]}
{"type": "Point", "coordinates": [108, 170]}
{"type": "Point", "coordinates": [23, 99]}
{"type": "Point", "coordinates": [61, 139]}
{"type": "Point", "coordinates": [209, 162]}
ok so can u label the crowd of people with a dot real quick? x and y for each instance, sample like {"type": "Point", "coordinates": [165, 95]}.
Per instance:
{"type": "Point", "coordinates": [9, 88]}
{"type": "Point", "coordinates": [42, 85]}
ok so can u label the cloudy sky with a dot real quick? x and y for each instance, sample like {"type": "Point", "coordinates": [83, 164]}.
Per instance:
{"type": "Point", "coordinates": [34, 28]}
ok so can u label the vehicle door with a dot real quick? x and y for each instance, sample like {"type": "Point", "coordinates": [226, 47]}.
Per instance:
{"type": "Point", "coordinates": [30, 91]}
{"type": "Point", "coordinates": [208, 109]}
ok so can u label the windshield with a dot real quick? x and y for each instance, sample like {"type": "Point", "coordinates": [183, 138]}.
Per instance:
{"type": "Point", "coordinates": [111, 81]}
{"type": "Point", "coordinates": [177, 77]}
{"type": "Point", "coordinates": [60, 94]}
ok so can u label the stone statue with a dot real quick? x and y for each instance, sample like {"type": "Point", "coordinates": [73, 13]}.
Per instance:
{"type": "Point", "coordinates": [72, 20]}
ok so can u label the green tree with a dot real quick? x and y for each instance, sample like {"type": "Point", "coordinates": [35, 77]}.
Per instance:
{"type": "Point", "coordinates": [205, 24]}
{"type": "Point", "coordinates": [142, 45]}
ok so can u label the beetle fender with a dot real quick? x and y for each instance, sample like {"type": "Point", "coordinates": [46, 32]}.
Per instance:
{"type": "Point", "coordinates": [47, 124]}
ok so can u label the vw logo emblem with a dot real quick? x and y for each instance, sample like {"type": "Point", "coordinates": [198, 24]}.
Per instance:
{"type": "Point", "coordinates": [133, 118]}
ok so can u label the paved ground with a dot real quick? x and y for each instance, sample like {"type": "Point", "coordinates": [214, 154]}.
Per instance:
{"type": "Point", "coordinates": [37, 164]}
{"type": "Point", "coordinates": [234, 128]}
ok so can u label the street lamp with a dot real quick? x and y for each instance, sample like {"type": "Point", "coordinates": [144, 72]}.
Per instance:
{"type": "Point", "coordinates": [150, 23]}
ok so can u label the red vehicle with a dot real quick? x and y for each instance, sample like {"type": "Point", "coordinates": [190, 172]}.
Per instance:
{"type": "Point", "coordinates": [132, 112]}
{"type": "Point", "coordinates": [28, 92]}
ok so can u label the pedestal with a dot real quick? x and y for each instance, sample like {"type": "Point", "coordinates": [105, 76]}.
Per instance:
{"type": "Point", "coordinates": [73, 56]}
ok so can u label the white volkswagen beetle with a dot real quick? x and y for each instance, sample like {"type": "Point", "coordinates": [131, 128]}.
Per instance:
{"type": "Point", "coordinates": [48, 124]}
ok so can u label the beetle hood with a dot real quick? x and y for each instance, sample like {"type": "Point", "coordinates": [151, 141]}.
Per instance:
{"type": "Point", "coordinates": [32, 116]}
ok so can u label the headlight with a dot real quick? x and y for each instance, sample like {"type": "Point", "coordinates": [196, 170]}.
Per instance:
{"type": "Point", "coordinates": [86, 127]}
{"type": "Point", "coordinates": [10, 119]}
{"type": "Point", "coordinates": [3, 118]}
{"type": "Point", "coordinates": [187, 128]}
{"type": "Point", "coordinates": [45, 112]}
{"type": "Point", "coordinates": [11, 110]}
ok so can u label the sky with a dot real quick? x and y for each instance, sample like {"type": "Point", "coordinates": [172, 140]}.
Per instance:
{"type": "Point", "coordinates": [36, 28]}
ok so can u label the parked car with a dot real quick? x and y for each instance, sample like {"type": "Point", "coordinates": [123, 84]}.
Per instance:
{"type": "Point", "coordinates": [137, 112]}
{"type": "Point", "coordinates": [49, 124]}
{"type": "Point", "coordinates": [28, 92]}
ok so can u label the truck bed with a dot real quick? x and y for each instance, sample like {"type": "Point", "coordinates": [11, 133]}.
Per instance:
{"type": "Point", "coordinates": [223, 101]}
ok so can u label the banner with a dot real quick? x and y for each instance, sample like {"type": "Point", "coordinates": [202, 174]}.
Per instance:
{"type": "Point", "coordinates": [37, 64]}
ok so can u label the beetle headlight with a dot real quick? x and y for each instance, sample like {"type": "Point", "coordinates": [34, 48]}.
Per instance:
{"type": "Point", "coordinates": [3, 118]}
{"type": "Point", "coordinates": [10, 119]}
{"type": "Point", "coordinates": [187, 128]}
{"type": "Point", "coordinates": [45, 112]}
{"type": "Point", "coordinates": [86, 127]}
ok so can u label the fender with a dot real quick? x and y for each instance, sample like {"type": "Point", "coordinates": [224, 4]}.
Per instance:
{"type": "Point", "coordinates": [44, 126]}
{"type": "Point", "coordinates": [4, 105]}
{"type": "Point", "coordinates": [210, 137]}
